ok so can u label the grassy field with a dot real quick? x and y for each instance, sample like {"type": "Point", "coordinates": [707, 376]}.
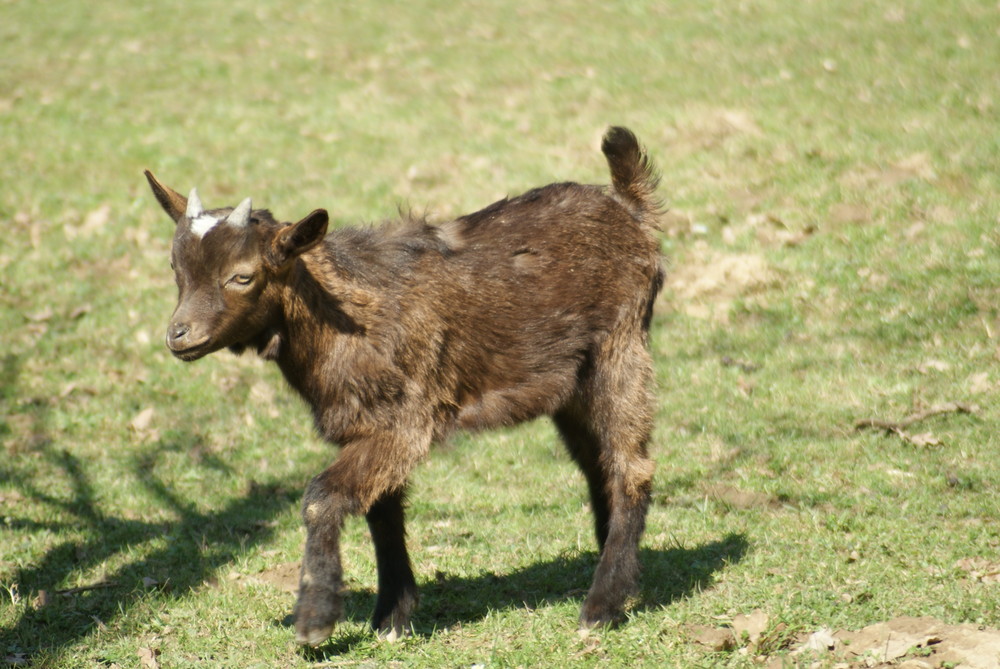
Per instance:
{"type": "Point", "coordinates": [832, 171]}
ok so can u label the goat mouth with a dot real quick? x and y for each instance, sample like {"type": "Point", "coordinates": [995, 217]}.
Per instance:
{"type": "Point", "coordinates": [192, 353]}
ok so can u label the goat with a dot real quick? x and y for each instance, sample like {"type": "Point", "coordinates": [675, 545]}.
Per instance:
{"type": "Point", "coordinates": [399, 334]}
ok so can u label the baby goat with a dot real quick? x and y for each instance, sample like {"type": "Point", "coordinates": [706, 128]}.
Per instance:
{"type": "Point", "coordinates": [397, 335]}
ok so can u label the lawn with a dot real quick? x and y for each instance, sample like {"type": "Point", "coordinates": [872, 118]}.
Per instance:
{"type": "Point", "coordinates": [834, 250]}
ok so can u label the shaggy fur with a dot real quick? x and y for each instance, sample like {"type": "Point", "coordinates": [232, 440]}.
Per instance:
{"type": "Point", "coordinates": [397, 335]}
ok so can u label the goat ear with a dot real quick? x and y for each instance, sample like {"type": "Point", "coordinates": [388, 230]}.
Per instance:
{"type": "Point", "coordinates": [294, 240]}
{"type": "Point", "coordinates": [172, 202]}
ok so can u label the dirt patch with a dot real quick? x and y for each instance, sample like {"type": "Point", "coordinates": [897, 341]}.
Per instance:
{"type": "Point", "coordinates": [708, 282]}
{"type": "Point", "coordinates": [708, 128]}
{"type": "Point", "coordinates": [980, 569]}
{"type": "Point", "coordinates": [284, 577]}
{"type": "Point", "coordinates": [902, 642]}
{"type": "Point", "coordinates": [737, 498]}
{"type": "Point", "coordinates": [918, 166]}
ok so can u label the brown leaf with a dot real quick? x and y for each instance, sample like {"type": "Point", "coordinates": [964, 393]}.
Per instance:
{"type": "Point", "coordinates": [143, 420]}
{"type": "Point", "coordinates": [96, 219]}
{"type": "Point", "coordinates": [42, 315]}
{"type": "Point", "coordinates": [928, 366]}
{"type": "Point", "coordinates": [751, 625]}
{"type": "Point", "coordinates": [820, 641]}
{"type": "Point", "coordinates": [892, 640]}
{"type": "Point", "coordinates": [716, 639]}
{"type": "Point", "coordinates": [924, 439]}
{"type": "Point", "coordinates": [934, 643]}
{"type": "Point", "coordinates": [980, 383]}
{"type": "Point", "coordinates": [149, 658]}
{"type": "Point", "coordinates": [980, 569]}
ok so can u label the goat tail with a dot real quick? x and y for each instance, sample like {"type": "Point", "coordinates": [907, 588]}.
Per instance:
{"type": "Point", "coordinates": [633, 176]}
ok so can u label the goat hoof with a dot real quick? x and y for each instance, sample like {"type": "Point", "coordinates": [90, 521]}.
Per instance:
{"type": "Point", "coordinates": [392, 635]}
{"type": "Point", "coordinates": [593, 617]}
{"type": "Point", "coordinates": [313, 636]}
{"type": "Point", "coordinates": [316, 614]}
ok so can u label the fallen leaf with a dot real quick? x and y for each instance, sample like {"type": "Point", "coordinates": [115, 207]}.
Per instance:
{"type": "Point", "coordinates": [716, 639]}
{"type": "Point", "coordinates": [924, 439]}
{"type": "Point", "coordinates": [980, 569]}
{"type": "Point", "coordinates": [821, 641]}
{"type": "Point", "coordinates": [750, 626]}
{"type": "Point", "coordinates": [143, 420]}
{"type": "Point", "coordinates": [889, 641]}
{"type": "Point", "coordinates": [928, 366]}
{"type": "Point", "coordinates": [96, 219]}
{"type": "Point", "coordinates": [41, 315]}
{"type": "Point", "coordinates": [980, 383]}
{"type": "Point", "coordinates": [915, 643]}
{"type": "Point", "coordinates": [149, 658]}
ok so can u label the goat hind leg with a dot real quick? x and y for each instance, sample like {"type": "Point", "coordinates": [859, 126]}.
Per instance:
{"type": "Point", "coordinates": [397, 589]}
{"type": "Point", "coordinates": [620, 420]}
{"type": "Point", "coordinates": [585, 450]}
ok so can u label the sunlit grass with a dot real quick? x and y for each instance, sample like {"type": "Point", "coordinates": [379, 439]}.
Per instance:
{"type": "Point", "coordinates": [835, 253]}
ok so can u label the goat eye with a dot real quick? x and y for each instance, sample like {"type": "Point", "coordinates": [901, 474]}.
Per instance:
{"type": "Point", "coordinates": [242, 279]}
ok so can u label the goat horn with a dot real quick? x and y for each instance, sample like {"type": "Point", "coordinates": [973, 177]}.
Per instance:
{"type": "Point", "coordinates": [241, 215]}
{"type": "Point", "coordinates": [194, 208]}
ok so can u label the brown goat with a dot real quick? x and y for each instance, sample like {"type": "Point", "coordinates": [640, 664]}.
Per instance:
{"type": "Point", "coordinates": [397, 335]}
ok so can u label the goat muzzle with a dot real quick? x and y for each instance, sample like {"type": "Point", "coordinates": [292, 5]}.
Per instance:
{"type": "Point", "coordinates": [183, 345]}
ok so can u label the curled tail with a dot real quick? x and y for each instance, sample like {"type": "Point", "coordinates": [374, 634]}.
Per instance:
{"type": "Point", "coordinates": [633, 176]}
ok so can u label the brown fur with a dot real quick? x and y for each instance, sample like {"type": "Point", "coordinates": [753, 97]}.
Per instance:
{"type": "Point", "coordinates": [397, 335]}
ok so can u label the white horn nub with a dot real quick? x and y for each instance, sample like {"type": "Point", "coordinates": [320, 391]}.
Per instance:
{"type": "Point", "coordinates": [241, 215]}
{"type": "Point", "coordinates": [194, 208]}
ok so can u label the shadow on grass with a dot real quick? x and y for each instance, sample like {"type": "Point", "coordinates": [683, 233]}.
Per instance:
{"type": "Point", "coordinates": [668, 575]}
{"type": "Point", "coordinates": [188, 551]}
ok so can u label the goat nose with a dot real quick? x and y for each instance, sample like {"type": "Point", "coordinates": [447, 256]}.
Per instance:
{"type": "Point", "coordinates": [177, 331]}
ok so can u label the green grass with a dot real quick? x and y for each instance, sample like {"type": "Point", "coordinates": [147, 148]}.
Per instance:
{"type": "Point", "coordinates": [847, 154]}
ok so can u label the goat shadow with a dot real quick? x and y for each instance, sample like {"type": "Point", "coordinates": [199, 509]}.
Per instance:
{"type": "Point", "coordinates": [668, 575]}
{"type": "Point", "coordinates": [202, 542]}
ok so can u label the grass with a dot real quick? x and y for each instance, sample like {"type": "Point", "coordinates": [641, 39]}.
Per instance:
{"type": "Point", "coordinates": [832, 174]}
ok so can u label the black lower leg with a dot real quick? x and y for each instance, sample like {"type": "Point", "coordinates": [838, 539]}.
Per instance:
{"type": "Point", "coordinates": [583, 448]}
{"type": "Point", "coordinates": [397, 589]}
{"type": "Point", "coordinates": [617, 575]}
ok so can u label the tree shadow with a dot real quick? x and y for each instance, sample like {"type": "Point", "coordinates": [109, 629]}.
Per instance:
{"type": "Point", "coordinates": [191, 548]}
{"type": "Point", "coordinates": [668, 575]}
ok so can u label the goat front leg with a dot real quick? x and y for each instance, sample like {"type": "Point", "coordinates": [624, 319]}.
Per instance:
{"type": "Point", "coordinates": [368, 478]}
{"type": "Point", "coordinates": [320, 605]}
